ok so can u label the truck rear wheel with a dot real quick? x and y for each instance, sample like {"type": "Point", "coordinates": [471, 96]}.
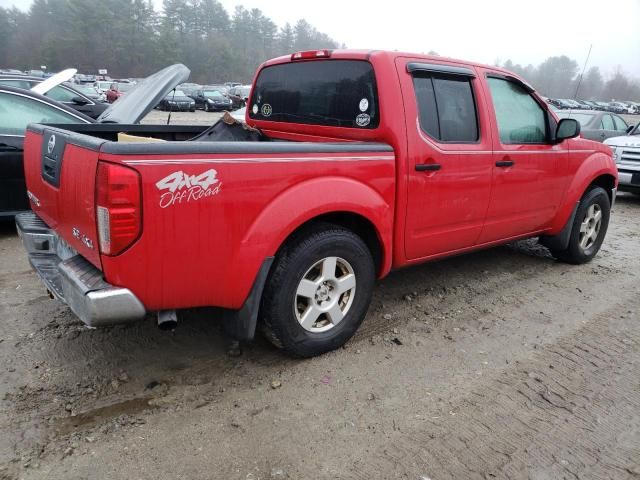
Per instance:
{"type": "Point", "coordinates": [589, 228]}
{"type": "Point", "coordinates": [318, 291]}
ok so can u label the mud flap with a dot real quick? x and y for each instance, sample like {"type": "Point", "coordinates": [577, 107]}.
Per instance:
{"type": "Point", "coordinates": [561, 241]}
{"type": "Point", "coordinates": [241, 324]}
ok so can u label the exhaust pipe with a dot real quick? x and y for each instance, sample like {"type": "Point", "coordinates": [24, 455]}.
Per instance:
{"type": "Point", "coordinates": [167, 320]}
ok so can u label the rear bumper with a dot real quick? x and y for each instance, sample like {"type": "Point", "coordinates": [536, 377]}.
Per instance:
{"type": "Point", "coordinates": [72, 279]}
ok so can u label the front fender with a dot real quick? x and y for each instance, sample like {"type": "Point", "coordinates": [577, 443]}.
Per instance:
{"type": "Point", "coordinates": [301, 203]}
{"type": "Point", "coordinates": [590, 168]}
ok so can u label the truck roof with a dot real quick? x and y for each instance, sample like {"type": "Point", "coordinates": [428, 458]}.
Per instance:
{"type": "Point", "coordinates": [353, 54]}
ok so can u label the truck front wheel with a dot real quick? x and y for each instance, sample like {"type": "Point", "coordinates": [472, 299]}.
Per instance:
{"type": "Point", "coordinates": [589, 228]}
{"type": "Point", "coordinates": [318, 291]}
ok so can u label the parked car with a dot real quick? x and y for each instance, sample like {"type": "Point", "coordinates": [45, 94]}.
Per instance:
{"type": "Point", "coordinates": [101, 87]}
{"type": "Point", "coordinates": [19, 107]}
{"type": "Point", "coordinates": [584, 105]}
{"type": "Point", "coordinates": [560, 103]}
{"type": "Point", "coordinates": [241, 91]}
{"type": "Point", "coordinates": [626, 153]}
{"type": "Point", "coordinates": [617, 107]}
{"type": "Point", "coordinates": [65, 93]}
{"type": "Point", "coordinates": [87, 90]}
{"type": "Point", "coordinates": [117, 89]}
{"type": "Point", "coordinates": [12, 71]}
{"type": "Point", "coordinates": [211, 99]}
{"type": "Point", "coordinates": [177, 101]}
{"type": "Point", "coordinates": [597, 126]}
{"type": "Point", "coordinates": [333, 195]}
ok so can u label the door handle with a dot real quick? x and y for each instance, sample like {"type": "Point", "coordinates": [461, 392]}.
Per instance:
{"type": "Point", "coordinates": [427, 167]}
{"type": "Point", "coordinates": [505, 163]}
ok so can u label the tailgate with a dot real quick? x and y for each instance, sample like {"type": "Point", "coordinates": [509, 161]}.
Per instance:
{"type": "Point", "coordinates": [60, 171]}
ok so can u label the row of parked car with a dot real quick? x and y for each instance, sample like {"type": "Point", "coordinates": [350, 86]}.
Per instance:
{"type": "Point", "coordinates": [210, 98]}
{"type": "Point", "coordinates": [613, 107]}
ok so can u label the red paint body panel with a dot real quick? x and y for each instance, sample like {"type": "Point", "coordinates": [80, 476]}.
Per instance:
{"type": "Point", "coordinates": [207, 252]}
{"type": "Point", "coordinates": [72, 204]}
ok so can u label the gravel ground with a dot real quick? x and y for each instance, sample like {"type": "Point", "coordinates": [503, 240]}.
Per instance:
{"type": "Point", "coordinates": [498, 364]}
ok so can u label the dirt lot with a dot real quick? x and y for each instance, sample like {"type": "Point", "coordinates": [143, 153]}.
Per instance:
{"type": "Point", "coordinates": [499, 364]}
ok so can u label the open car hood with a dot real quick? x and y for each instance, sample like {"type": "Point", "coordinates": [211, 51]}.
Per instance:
{"type": "Point", "coordinates": [140, 100]}
{"type": "Point", "coordinates": [53, 81]}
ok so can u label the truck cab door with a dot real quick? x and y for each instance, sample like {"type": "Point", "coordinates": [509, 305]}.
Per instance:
{"type": "Point", "coordinates": [529, 170]}
{"type": "Point", "coordinates": [449, 157]}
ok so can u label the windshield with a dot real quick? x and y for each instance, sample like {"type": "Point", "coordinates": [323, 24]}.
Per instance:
{"type": "Point", "coordinates": [340, 93]}
{"type": "Point", "coordinates": [176, 93]}
{"type": "Point", "coordinates": [104, 85]}
{"type": "Point", "coordinates": [213, 94]}
{"type": "Point", "coordinates": [86, 89]}
{"type": "Point", "coordinates": [582, 118]}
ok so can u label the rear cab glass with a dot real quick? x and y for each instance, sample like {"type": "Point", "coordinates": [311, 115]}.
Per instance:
{"type": "Point", "coordinates": [334, 93]}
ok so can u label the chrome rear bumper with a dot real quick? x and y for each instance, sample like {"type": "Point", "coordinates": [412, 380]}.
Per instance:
{"type": "Point", "coordinates": [72, 279]}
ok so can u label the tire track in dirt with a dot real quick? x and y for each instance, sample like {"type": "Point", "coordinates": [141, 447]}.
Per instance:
{"type": "Point", "coordinates": [571, 411]}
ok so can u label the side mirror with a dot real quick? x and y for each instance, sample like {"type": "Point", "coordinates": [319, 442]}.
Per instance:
{"type": "Point", "coordinates": [567, 128]}
{"type": "Point", "coordinates": [630, 129]}
{"type": "Point", "coordinates": [79, 101]}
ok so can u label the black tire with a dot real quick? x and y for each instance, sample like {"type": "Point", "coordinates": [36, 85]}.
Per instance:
{"type": "Point", "coordinates": [575, 253]}
{"type": "Point", "coordinates": [278, 318]}
{"type": "Point", "coordinates": [206, 107]}
{"type": "Point", "coordinates": [192, 109]}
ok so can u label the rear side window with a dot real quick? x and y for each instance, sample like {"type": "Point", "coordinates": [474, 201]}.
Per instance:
{"type": "Point", "coordinates": [520, 119]}
{"type": "Point", "coordinates": [621, 125]}
{"type": "Point", "coordinates": [607, 123]}
{"type": "Point", "coordinates": [446, 108]}
{"type": "Point", "coordinates": [337, 93]}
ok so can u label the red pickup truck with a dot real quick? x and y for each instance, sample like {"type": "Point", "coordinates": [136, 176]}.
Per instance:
{"type": "Point", "coordinates": [366, 161]}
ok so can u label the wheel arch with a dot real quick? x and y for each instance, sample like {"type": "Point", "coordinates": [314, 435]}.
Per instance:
{"type": "Point", "coordinates": [598, 169]}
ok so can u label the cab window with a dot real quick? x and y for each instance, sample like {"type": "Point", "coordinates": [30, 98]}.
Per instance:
{"type": "Point", "coordinates": [446, 108]}
{"type": "Point", "coordinates": [521, 120]}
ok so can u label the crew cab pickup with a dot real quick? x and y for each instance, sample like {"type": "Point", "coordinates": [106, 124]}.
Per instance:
{"type": "Point", "coordinates": [365, 161]}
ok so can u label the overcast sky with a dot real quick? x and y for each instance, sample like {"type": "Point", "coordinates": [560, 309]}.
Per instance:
{"type": "Point", "coordinates": [483, 31]}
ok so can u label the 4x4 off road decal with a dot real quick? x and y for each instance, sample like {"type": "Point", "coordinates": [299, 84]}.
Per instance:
{"type": "Point", "coordinates": [183, 188]}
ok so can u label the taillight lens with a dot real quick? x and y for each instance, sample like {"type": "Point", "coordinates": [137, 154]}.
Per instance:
{"type": "Point", "coordinates": [118, 207]}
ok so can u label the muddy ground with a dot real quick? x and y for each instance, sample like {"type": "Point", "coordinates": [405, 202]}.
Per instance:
{"type": "Point", "coordinates": [498, 364]}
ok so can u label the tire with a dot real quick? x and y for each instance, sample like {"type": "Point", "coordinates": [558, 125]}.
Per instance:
{"type": "Point", "coordinates": [304, 265]}
{"type": "Point", "coordinates": [588, 232]}
{"type": "Point", "coordinates": [192, 109]}
{"type": "Point", "coordinates": [206, 107]}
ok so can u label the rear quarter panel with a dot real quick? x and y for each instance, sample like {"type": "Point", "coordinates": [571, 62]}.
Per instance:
{"type": "Point", "coordinates": [203, 243]}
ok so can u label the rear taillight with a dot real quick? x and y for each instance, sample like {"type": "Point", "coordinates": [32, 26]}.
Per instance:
{"type": "Point", "coordinates": [118, 207]}
{"type": "Point", "coordinates": [309, 54]}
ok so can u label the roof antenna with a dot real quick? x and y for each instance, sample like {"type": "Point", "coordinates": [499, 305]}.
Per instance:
{"type": "Point", "coordinates": [575, 95]}
{"type": "Point", "coordinates": [173, 97]}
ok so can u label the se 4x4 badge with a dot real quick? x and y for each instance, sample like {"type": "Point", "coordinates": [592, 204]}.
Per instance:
{"type": "Point", "coordinates": [180, 187]}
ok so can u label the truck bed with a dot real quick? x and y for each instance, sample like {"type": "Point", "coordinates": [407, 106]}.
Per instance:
{"type": "Point", "coordinates": [208, 199]}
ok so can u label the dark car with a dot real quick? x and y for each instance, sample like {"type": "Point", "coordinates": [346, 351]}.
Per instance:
{"type": "Point", "coordinates": [177, 101]}
{"type": "Point", "coordinates": [596, 125]}
{"type": "Point", "coordinates": [18, 108]}
{"type": "Point", "coordinates": [584, 105]}
{"type": "Point", "coordinates": [211, 99]}
{"type": "Point", "coordinates": [64, 93]}
{"type": "Point", "coordinates": [560, 103]}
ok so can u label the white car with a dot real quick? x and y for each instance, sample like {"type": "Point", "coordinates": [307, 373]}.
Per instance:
{"type": "Point", "coordinates": [626, 153]}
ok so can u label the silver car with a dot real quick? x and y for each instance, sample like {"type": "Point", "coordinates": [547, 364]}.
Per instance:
{"type": "Point", "coordinates": [626, 153]}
